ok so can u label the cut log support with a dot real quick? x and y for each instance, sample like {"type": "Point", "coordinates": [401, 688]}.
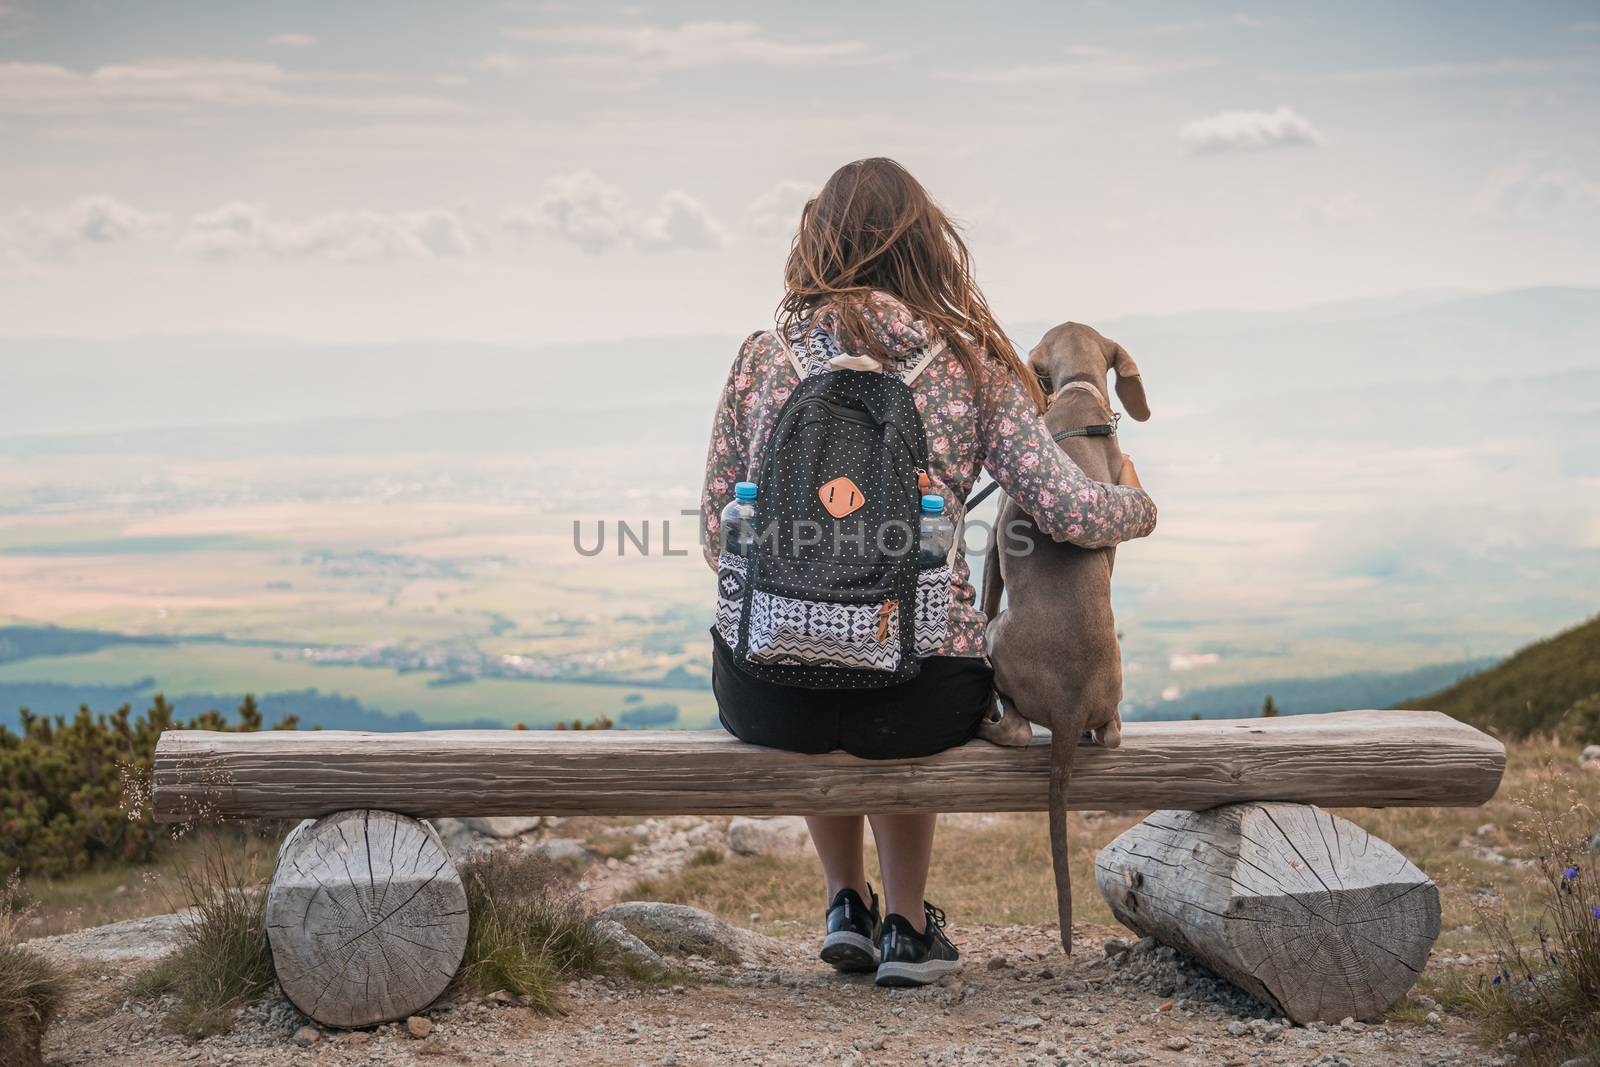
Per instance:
{"type": "Point", "coordinates": [366, 917]}
{"type": "Point", "coordinates": [1344, 759]}
{"type": "Point", "coordinates": [1304, 910]}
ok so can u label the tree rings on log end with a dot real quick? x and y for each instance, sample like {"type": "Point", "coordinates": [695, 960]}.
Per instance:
{"type": "Point", "coordinates": [366, 917]}
{"type": "Point", "coordinates": [1302, 909]}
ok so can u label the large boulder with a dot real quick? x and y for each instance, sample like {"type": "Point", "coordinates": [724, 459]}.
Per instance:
{"type": "Point", "coordinates": [628, 947]}
{"type": "Point", "coordinates": [681, 930]}
{"type": "Point", "coordinates": [783, 835]}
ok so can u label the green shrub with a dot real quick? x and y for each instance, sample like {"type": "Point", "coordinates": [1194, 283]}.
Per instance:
{"type": "Point", "coordinates": [31, 987]}
{"type": "Point", "coordinates": [74, 793]}
{"type": "Point", "coordinates": [1581, 724]}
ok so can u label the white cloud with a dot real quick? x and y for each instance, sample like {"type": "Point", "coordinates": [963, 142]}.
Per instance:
{"type": "Point", "coordinates": [49, 89]}
{"type": "Point", "coordinates": [680, 222]}
{"type": "Point", "coordinates": [292, 40]}
{"type": "Point", "coordinates": [1586, 26]}
{"type": "Point", "coordinates": [1340, 209]}
{"type": "Point", "coordinates": [776, 212]}
{"type": "Point", "coordinates": [1529, 194]}
{"type": "Point", "coordinates": [596, 215]}
{"type": "Point", "coordinates": [240, 229]}
{"type": "Point", "coordinates": [691, 44]}
{"type": "Point", "coordinates": [88, 220]}
{"type": "Point", "coordinates": [1248, 131]}
{"type": "Point", "coordinates": [1084, 65]}
{"type": "Point", "coordinates": [1248, 21]}
{"type": "Point", "coordinates": [502, 63]}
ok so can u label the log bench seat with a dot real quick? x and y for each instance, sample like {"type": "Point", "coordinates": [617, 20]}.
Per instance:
{"type": "Point", "coordinates": [1372, 759]}
{"type": "Point", "coordinates": [367, 915]}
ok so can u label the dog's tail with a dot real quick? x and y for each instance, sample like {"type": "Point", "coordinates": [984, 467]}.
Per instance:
{"type": "Point", "coordinates": [1062, 750]}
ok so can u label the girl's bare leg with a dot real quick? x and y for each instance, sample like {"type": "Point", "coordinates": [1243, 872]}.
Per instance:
{"type": "Point", "coordinates": [905, 848]}
{"type": "Point", "coordinates": [838, 841]}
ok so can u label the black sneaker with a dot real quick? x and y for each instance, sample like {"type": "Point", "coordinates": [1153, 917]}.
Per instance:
{"type": "Point", "coordinates": [852, 940]}
{"type": "Point", "coordinates": [910, 958]}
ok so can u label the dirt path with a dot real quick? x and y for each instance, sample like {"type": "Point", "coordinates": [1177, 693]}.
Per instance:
{"type": "Point", "coordinates": [1019, 1001]}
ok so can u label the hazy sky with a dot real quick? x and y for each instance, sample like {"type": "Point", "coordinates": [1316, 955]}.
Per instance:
{"type": "Point", "coordinates": [584, 170]}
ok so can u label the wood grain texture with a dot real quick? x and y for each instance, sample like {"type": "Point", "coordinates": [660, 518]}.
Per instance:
{"type": "Point", "coordinates": [1344, 759]}
{"type": "Point", "coordinates": [1301, 908]}
{"type": "Point", "coordinates": [366, 916]}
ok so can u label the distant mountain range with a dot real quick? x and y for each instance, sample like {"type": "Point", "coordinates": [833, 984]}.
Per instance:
{"type": "Point", "coordinates": [1305, 696]}
{"type": "Point", "coordinates": [159, 383]}
{"type": "Point", "coordinates": [1530, 691]}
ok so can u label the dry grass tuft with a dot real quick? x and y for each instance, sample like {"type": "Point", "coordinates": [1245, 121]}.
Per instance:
{"type": "Point", "coordinates": [224, 960]}
{"type": "Point", "coordinates": [1545, 986]}
{"type": "Point", "coordinates": [531, 930]}
{"type": "Point", "coordinates": [31, 987]}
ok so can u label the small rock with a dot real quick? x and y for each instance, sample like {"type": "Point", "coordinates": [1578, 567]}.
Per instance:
{"type": "Point", "coordinates": [1432, 1018]}
{"type": "Point", "coordinates": [627, 946]}
{"type": "Point", "coordinates": [502, 996]}
{"type": "Point", "coordinates": [1177, 1044]}
{"type": "Point", "coordinates": [1590, 754]}
{"type": "Point", "coordinates": [997, 963]}
{"type": "Point", "coordinates": [563, 850]}
{"type": "Point", "coordinates": [1115, 946]}
{"type": "Point", "coordinates": [306, 1035]}
{"type": "Point", "coordinates": [1486, 829]}
{"type": "Point", "coordinates": [504, 826]}
{"type": "Point", "coordinates": [418, 1027]}
{"type": "Point", "coordinates": [783, 835]}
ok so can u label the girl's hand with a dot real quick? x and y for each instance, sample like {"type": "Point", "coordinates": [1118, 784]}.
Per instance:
{"type": "Point", "coordinates": [1128, 476]}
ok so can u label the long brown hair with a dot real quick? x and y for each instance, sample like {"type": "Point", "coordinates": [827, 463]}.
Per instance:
{"type": "Point", "coordinates": [874, 227]}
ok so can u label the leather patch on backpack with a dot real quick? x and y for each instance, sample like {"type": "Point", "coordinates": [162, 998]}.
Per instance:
{"type": "Point", "coordinates": [840, 497]}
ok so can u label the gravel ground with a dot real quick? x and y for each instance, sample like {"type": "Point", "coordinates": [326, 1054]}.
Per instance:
{"type": "Point", "coordinates": [1018, 1001]}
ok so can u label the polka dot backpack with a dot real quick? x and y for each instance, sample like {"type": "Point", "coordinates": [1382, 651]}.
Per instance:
{"type": "Point", "coordinates": [832, 592]}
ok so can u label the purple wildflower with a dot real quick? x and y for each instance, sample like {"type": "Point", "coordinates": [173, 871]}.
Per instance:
{"type": "Point", "coordinates": [1570, 873]}
{"type": "Point", "coordinates": [1595, 911]}
{"type": "Point", "coordinates": [1496, 981]}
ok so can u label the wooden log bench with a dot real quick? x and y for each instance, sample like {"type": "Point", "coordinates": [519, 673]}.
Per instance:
{"type": "Point", "coordinates": [367, 915]}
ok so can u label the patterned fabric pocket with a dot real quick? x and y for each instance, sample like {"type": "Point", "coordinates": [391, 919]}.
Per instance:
{"type": "Point", "coordinates": [732, 571]}
{"type": "Point", "coordinates": [784, 630]}
{"type": "Point", "coordinates": [933, 608]}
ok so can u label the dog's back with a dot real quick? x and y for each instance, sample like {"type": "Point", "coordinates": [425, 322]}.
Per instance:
{"type": "Point", "coordinates": [1055, 645]}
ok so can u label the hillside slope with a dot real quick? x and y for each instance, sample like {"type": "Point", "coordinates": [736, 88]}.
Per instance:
{"type": "Point", "coordinates": [1530, 691]}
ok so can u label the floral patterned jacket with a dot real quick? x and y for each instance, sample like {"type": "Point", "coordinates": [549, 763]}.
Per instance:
{"type": "Point", "coordinates": [970, 425]}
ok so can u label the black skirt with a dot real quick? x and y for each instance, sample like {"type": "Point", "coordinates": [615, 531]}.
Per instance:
{"type": "Point", "coordinates": [938, 709]}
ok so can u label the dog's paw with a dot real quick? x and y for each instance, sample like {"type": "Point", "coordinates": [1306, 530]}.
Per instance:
{"type": "Point", "coordinates": [1110, 735]}
{"type": "Point", "coordinates": [1010, 729]}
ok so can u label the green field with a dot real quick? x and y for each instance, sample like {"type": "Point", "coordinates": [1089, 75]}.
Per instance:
{"type": "Point", "coordinates": [185, 669]}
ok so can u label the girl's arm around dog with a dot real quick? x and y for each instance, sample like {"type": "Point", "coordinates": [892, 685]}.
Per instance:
{"type": "Point", "coordinates": [1065, 503]}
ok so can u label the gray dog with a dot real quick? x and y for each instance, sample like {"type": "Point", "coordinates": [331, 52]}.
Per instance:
{"type": "Point", "coordinates": [1054, 648]}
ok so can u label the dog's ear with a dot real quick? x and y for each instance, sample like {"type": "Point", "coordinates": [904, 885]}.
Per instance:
{"type": "Point", "coordinates": [1130, 387]}
{"type": "Point", "coordinates": [1040, 366]}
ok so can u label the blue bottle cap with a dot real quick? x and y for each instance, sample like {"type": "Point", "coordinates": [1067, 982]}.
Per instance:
{"type": "Point", "coordinates": [744, 490]}
{"type": "Point", "coordinates": [932, 504]}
